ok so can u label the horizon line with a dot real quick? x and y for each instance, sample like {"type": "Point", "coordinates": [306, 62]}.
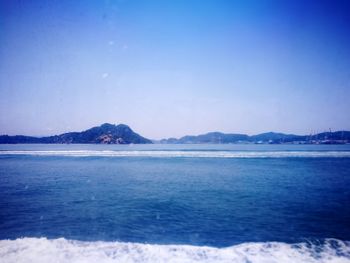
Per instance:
{"type": "Point", "coordinates": [203, 133]}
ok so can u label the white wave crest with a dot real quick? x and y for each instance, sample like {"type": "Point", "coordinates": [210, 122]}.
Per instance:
{"type": "Point", "coordinates": [186, 154]}
{"type": "Point", "coordinates": [62, 250]}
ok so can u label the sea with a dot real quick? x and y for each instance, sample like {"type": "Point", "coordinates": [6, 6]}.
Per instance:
{"type": "Point", "coordinates": [174, 203]}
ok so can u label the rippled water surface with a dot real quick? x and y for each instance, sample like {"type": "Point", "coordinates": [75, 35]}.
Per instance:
{"type": "Point", "coordinates": [226, 197]}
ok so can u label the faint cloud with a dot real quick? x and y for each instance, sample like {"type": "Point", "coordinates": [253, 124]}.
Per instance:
{"type": "Point", "coordinates": [111, 43]}
{"type": "Point", "coordinates": [105, 75]}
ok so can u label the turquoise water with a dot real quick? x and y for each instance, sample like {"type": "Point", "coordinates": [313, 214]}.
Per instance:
{"type": "Point", "coordinates": [219, 196]}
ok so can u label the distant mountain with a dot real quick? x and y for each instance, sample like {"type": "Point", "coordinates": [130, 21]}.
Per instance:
{"type": "Point", "coordinates": [269, 137]}
{"type": "Point", "coordinates": [104, 134]}
{"type": "Point", "coordinates": [123, 134]}
{"type": "Point", "coordinates": [338, 135]}
{"type": "Point", "coordinates": [211, 137]}
{"type": "Point", "coordinates": [276, 137]}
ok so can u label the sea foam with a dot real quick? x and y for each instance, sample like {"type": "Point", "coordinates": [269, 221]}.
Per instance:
{"type": "Point", "coordinates": [62, 250]}
{"type": "Point", "coordinates": [185, 154]}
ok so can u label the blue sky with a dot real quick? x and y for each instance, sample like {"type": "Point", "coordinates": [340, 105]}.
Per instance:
{"type": "Point", "coordinates": [171, 68]}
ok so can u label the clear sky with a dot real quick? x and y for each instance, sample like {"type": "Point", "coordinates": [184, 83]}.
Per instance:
{"type": "Point", "coordinates": [171, 68]}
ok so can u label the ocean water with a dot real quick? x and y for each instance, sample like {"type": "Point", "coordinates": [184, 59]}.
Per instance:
{"type": "Point", "coordinates": [175, 203]}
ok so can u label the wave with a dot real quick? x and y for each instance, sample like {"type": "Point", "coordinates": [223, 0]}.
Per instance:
{"type": "Point", "coordinates": [63, 250]}
{"type": "Point", "coordinates": [186, 154]}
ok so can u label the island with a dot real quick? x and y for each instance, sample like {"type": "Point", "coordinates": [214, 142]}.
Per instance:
{"type": "Point", "coordinates": [122, 134]}
{"type": "Point", "coordinates": [104, 134]}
